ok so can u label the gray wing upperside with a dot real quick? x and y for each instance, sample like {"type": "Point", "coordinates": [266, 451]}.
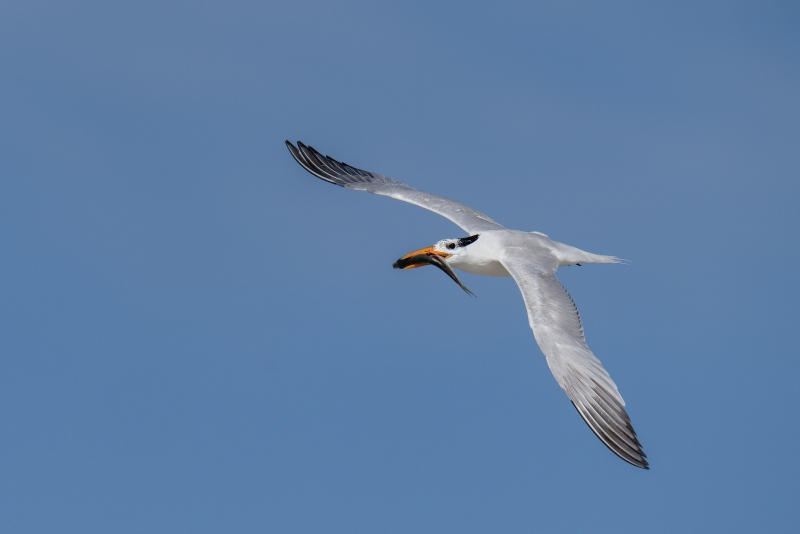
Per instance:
{"type": "Point", "coordinates": [557, 328]}
{"type": "Point", "coordinates": [344, 175]}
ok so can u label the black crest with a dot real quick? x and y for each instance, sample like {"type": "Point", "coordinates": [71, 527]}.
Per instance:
{"type": "Point", "coordinates": [464, 241]}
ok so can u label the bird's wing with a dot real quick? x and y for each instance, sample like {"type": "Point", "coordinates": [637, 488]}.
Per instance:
{"type": "Point", "coordinates": [557, 327]}
{"type": "Point", "coordinates": [344, 175]}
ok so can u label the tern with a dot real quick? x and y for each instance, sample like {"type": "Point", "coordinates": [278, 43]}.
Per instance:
{"type": "Point", "coordinates": [531, 259]}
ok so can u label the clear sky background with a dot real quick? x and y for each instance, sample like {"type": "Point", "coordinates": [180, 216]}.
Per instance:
{"type": "Point", "coordinates": [198, 336]}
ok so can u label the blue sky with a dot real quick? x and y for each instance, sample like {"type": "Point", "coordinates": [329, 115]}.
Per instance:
{"type": "Point", "coordinates": [198, 336]}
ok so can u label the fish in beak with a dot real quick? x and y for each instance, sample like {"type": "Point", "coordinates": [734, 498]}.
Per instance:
{"type": "Point", "coordinates": [429, 256]}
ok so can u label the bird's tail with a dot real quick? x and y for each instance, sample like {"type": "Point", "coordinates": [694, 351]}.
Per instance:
{"type": "Point", "coordinates": [568, 255]}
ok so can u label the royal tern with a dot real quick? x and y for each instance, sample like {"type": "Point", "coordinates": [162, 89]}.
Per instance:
{"type": "Point", "coordinates": [531, 259]}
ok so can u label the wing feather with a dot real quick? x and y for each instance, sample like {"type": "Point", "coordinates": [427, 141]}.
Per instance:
{"type": "Point", "coordinates": [557, 327]}
{"type": "Point", "coordinates": [344, 175]}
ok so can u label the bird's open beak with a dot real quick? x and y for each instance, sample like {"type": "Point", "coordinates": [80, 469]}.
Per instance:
{"type": "Point", "coordinates": [429, 256]}
{"type": "Point", "coordinates": [419, 258]}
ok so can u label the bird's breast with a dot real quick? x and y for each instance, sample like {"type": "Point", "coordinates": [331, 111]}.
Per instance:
{"type": "Point", "coordinates": [484, 268]}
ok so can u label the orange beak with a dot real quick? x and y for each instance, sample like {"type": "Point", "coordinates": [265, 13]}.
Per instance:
{"type": "Point", "coordinates": [418, 258]}
{"type": "Point", "coordinates": [428, 256]}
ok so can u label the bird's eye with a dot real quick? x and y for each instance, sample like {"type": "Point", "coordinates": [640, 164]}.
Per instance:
{"type": "Point", "coordinates": [451, 246]}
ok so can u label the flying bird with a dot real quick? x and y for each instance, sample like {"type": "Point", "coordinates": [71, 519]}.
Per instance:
{"type": "Point", "coordinates": [531, 259]}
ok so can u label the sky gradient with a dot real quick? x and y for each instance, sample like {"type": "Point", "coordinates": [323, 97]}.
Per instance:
{"type": "Point", "coordinates": [199, 336]}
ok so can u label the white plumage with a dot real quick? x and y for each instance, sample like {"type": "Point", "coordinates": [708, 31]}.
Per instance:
{"type": "Point", "coordinates": [532, 259]}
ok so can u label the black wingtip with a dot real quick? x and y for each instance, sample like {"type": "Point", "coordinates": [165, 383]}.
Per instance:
{"type": "Point", "coordinates": [311, 160]}
{"type": "Point", "coordinates": [333, 171]}
{"type": "Point", "coordinates": [633, 455]}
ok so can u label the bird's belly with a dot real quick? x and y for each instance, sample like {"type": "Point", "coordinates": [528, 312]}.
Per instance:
{"type": "Point", "coordinates": [493, 268]}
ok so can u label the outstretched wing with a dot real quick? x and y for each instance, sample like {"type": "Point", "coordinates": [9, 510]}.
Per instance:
{"type": "Point", "coordinates": [344, 175]}
{"type": "Point", "coordinates": [557, 327]}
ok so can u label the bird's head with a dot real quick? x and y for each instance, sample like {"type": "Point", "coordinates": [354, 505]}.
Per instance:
{"type": "Point", "coordinates": [438, 255]}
